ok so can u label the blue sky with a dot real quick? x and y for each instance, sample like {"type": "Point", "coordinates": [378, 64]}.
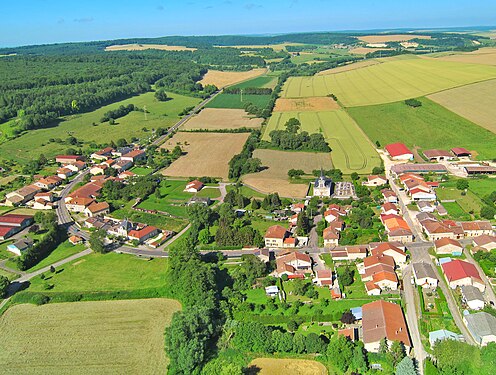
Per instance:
{"type": "Point", "coordinates": [48, 21]}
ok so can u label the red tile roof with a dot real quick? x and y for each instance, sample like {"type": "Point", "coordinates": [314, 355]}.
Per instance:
{"type": "Point", "coordinates": [194, 184]}
{"type": "Point", "coordinates": [460, 151]}
{"type": "Point", "coordinates": [140, 233]}
{"type": "Point", "coordinates": [4, 230]}
{"type": "Point", "coordinates": [276, 231]}
{"type": "Point", "coordinates": [397, 149]}
{"type": "Point", "coordinates": [447, 241]}
{"type": "Point", "coordinates": [458, 269]}
{"type": "Point", "coordinates": [14, 219]}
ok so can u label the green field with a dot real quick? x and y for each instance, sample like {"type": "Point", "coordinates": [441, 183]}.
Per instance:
{"type": "Point", "coordinates": [482, 187]}
{"type": "Point", "coordinates": [64, 250]}
{"type": "Point", "coordinates": [103, 273]}
{"type": "Point", "coordinates": [351, 150]}
{"type": "Point", "coordinates": [309, 58]}
{"type": "Point", "coordinates": [172, 200]}
{"type": "Point", "coordinates": [463, 205]}
{"type": "Point", "coordinates": [234, 101]}
{"type": "Point", "coordinates": [105, 337]}
{"type": "Point", "coordinates": [263, 81]}
{"type": "Point", "coordinates": [140, 171]}
{"type": "Point", "coordinates": [162, 114]}
{"type": "Point", "coordinates": [389, 82]}
{"type": "Point", "coordinates": [429, 126]}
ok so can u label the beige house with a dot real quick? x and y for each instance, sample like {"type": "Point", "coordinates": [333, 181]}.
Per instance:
{"type": "Point", "coordinates": [375, 180]}
{"type": "Point", "coordinates": [275, 236]}
{"type": "Point", "coordinates": [485, 241]}
{"type": "Point", "coordinates": [459, 273]}
{"type": "Point", "coordinates": [448, 246]}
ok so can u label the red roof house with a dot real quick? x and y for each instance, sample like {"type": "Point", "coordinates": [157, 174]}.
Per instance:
{"type": "Point", "coordinates": [460, 273]}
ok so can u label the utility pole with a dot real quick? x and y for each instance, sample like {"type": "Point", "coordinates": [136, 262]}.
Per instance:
{"type": "Point", "coordinates": [241, 92]}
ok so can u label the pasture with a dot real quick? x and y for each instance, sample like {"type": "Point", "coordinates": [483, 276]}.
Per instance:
{"type": "Point", "coordinates": [104, 337]}
{"type": "Point", "coordinates": [486, 56]}
{"type": "Point", "coordinates": [236, 101]}
{"type": "Point", "coordinates": [390, 81]}
{"type": "Point", "coordinates": [278, 163]}
{"type": "Point", "coordinates": [390, 38]}
{"type": "Point", "coordinates": [429, 126]}
{"type": "Point", "coordinates": [262, 81]}
{"type": "Point", "coordinates": [474, 102]}
{"type": "Point", "coordinates": [351, 150]}
{"type": "Point", "coordinates": [207, 154]}
{"type": "Point", "coordinates": [309, 58]}
{"type": "Point", "coordinates": [161, 114]}
{"type": "Point", "coordinates": [104, 273]}
{"type": "Point", "coordinates": [279, 366]}
{"type": "Point", "coordinates": [222, 79]}
{"type": "Point", "coordinates": [222, 118]}
{"type": "Point", "coordinates": [365, 50]}
{"type": "Point", "coordinates": [306, 104]}
{"type": "Point", "coordinates": [143, 47]}
{"type": "Point", "coordinates": [350, 66]}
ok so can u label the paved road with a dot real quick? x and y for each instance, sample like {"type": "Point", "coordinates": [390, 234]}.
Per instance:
{"type": "Point", "coordinates": [489, 292]}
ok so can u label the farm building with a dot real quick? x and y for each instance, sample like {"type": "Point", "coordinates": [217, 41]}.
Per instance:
{"type": "Point", "coordinates": [482, 327]}
{"type": "Point", "coordinates": [22, 195]}
{"type": "Point", "coordinates": [479, 169]}
{"type": "Point", "coordinates": [399, 169]}
{"type": "Point", "coordinates": [448, 246]}
{"type": "Point", "coordinates": [69, 159]}
{"type": "Point", "coordinates": [461, 152]}
{"type": "Point", "coordinates": [459, 273]}
{"type": "Point", "coordinates": [485, 241]}
{"type": "Point", "coordinates": [193, 186]}
{"type": "Point", "coordinates": [17, 221]}
{"type": "Point", "coordinates": [398, 151]}
{"type": "Point", "coordinates": [143, 233]}
{"type": "Point", "coordinates": [381, 320]}
{"type": "Point", "coordinates": [424, 275]}
{"type": "Point", "coordinates": [134, 156]}
{"type": "Point", "coordinates": [472, 297]}
{"type": "Point", "coordinates": [438, 155]}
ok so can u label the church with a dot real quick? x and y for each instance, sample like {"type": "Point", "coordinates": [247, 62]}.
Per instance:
{"type": "Point", "coordinates": [322, 186]}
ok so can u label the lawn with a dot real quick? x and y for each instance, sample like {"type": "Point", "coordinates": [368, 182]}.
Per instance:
{"type": "Point", "coordinates": [161, 114]}
{"type": "Point", "coordinates": [157, 220]}
{"type": "Point", "coordinates": [482, 187]}
{"type": "Point", "coordinates": [463, 205]}
{"type": "Point", "coordinates": [351, 150]}
{"type": "Point", "coordinates": [140, 171]}
{"type": "Point", "coordinates": [456, 211]}
{"type": "Point", "coordinates": [309, 58]}
{"type": "Point", "coordinates": [262, 225]}
{"type": "Point", "coordinates": [104, 272]}
{"type": "Point", "coordinates": [64, 250]}
{"type": "Point", "coordinates": [429, 126]}
{"type": "Point", "coordinates": [234, 101]}
{"type": "Point", "coordinates": [247, 192]}
{"type": "Point", "coordinates": [105, 337]}
{"type": "Point", "coordinates": [391, 81]}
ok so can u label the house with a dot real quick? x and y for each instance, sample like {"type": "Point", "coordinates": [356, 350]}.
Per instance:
{"type": "Point", "coordinates": [76, 240]}
{"type": "Point", "coordinates": [48, 183]}
{"type": "Point", "coordinates": [22, 195]}
{"type": "Point", "coordinates": [143, 233]}
{"type": "Point", "coordinates": [477, 228]}
{"type": "Point", "coordinates": [438, 155]}
{"type": "Point", "coordinates": [64, 173]}
{"type": "Point", "coordinates": [459, 273]}
{"type": "Point", "coordinates": [461, 152]}
{"type": "Point", "coordinates": [275, 236]}
{"type": "Point", "coordinates": [418, 194]}
{"type": "Point", "coordinates": [485, 241]}
{"type": "Point", "coordinates": [122, 151]}
{"type": "Point", "coordinates": [76, 166]}
{"type": "Point", "coordinates": [109, 162]}
{"type": "Point", "coordinates": [381, 320]}
{"type": "Point", "coordinates": [297, 207]}
{"type": "Point", "coordinates": [398, 151]}
{"type": "Point", "coordinates": [448, 246]}
{"type": "Point", "coordinates": [336, 292]}
{"type": "Point", "coordinates": [134, 156]}
{"type": "Point", "coordinates": [389, 209]}
{"type": "Point", "coordinates": [424, 275]}
{"type": "Point", "coordinates": [90, 190]}
{"type": "Point", "coordinates": [375, 180]}
{"type": "Point", "coordinates": [472, 297]}
{"type": "Point", "coordinates": [322, 186]}
{"type": "Point", "coordinates": [102, 154]}
{"type": "Point", "coordinates": [199, 200]}
{"type": "Point", "coordinates": [323, 278]}
{"type": "Point", "coordinates": [397, 228]}
{"type": "Point", "coordinates": [42, 204]}
{"type": "Point", "coordinates": [389, 196]}
{"type": "Point", "coordinates": [426, 206]}
{"type": "Point", "coordinates": [97, 209]}
{"type": "Point", "coordinates": [272, 291]}
{"type": "Point", "coordinates": [68, 159]}
{"type": "Point", "coordinates": [79, 204]}
{"type": "Point", "coordinates": [388, 249]}
{"type": "Point", "coordinates": [482, 327]}
{"type": "Point", "coordinates": [99, 169]}
{"type": "Point", "coordinates": [356, 252]}
{"type": "Point", "coordinates": [293, 264]}
{"type": "Point", "coordinates": [265, 255]}
{"type": "Point", "coordinates": [20, 246]}
{"type": "Point", "coordinates": [331, 215]}
{"type": "Point", "coordinates": [126, 174]}
{"type": "Point", "coordinates": [436, 230]}
{"type": "Point", "coordinates": [193, 186]}
{"type": "Point", "coordinates": [122, 165]}
{"type": "Point", "coordinates": [45, 196]}
{"type": "Point", "coordinates": [441, 211]}
{"type": "Point", "coordinates": [289, 242]}
{"type": "Point", "coordinates": [443, 334]}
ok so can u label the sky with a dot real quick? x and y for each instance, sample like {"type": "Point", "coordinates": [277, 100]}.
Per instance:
{"type": "Point", "coordinates": [25, 22]}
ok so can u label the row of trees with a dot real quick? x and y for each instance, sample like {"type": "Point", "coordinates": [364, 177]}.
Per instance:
{"type": "Point", "coordinates": [248, 90]}
{"type": "Point", "coordinates": [117, 113]}
{"type": "Point", "coordinates": [244, 162]}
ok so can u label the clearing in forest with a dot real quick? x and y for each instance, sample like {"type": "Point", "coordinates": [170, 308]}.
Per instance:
{"type": "Point", "coordinates": [103, 337]}
{"type": "Point", "coordinates": [222, 79]}
{"type": "Point", "coordinates": [206, 154]}
{"type": "Point", "coordinates": [222, 118]}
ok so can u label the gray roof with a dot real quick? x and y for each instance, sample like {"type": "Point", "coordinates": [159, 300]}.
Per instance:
{"type": "Point", "coordinates": [422, 270]}
{"type": "Point", "coordinates": [24, 243]}
{"type": "Point", "coordinates": [481, 324]}
{"type": "Point", "coordinates": [419, 168]}
{"type": "Point", "coordinates": [471, 293]}
{"type": "Point", "coordinates": [425, 215]}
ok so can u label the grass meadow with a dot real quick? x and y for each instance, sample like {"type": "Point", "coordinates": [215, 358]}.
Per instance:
{"type": "Point", "coordinates": [35, 142]}
{"type": "Point", "coordinates": [391, 81]}
{"type": "Point", "coordinates": [429, 126]}
{"type": "Point", "coordinates": [351, 150]}
{"type": "Point", "coordinates": [104, 337]}
{"type": "Point", "coordinates": [234, 101]}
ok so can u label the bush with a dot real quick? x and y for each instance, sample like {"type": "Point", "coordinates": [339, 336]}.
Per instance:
{"type": "Point", "coordinates": [413, 103]}
{"type": "Point", "coordinates": [40, 299]}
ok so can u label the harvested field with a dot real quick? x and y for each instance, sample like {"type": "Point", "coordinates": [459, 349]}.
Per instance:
{"type": "Point", "coordinates": [391, 81]}
{"type": "Point", "coordinates": [221, 118]}
{"type": "Point", "coordinates": [365, 50]}
{"type": "Point", "coordinates": [486, 56]}
{"type": "Point", "coordinates": [391, 38]}
{"type": "Point", "coordinates": [142, 47]}
{"type": "Point", "coordinates": [276, 366]}
{"type": "Point", "coordinates": [222, 79]}
{"type": "Point", "coordinates": [278, 163]}
{"type": "Point", "coordinates": [352, 66]}
{"type": "Point", "coordinates": [207, 154]}
{"type": "Point", "coordinates": [351, 150]}
{"type": "Point", "coordinates": [474, 102]}
{"type": "Point", "coordinates": [306, 104]}
{"type": "Point", "coordinates": [105, 337]}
